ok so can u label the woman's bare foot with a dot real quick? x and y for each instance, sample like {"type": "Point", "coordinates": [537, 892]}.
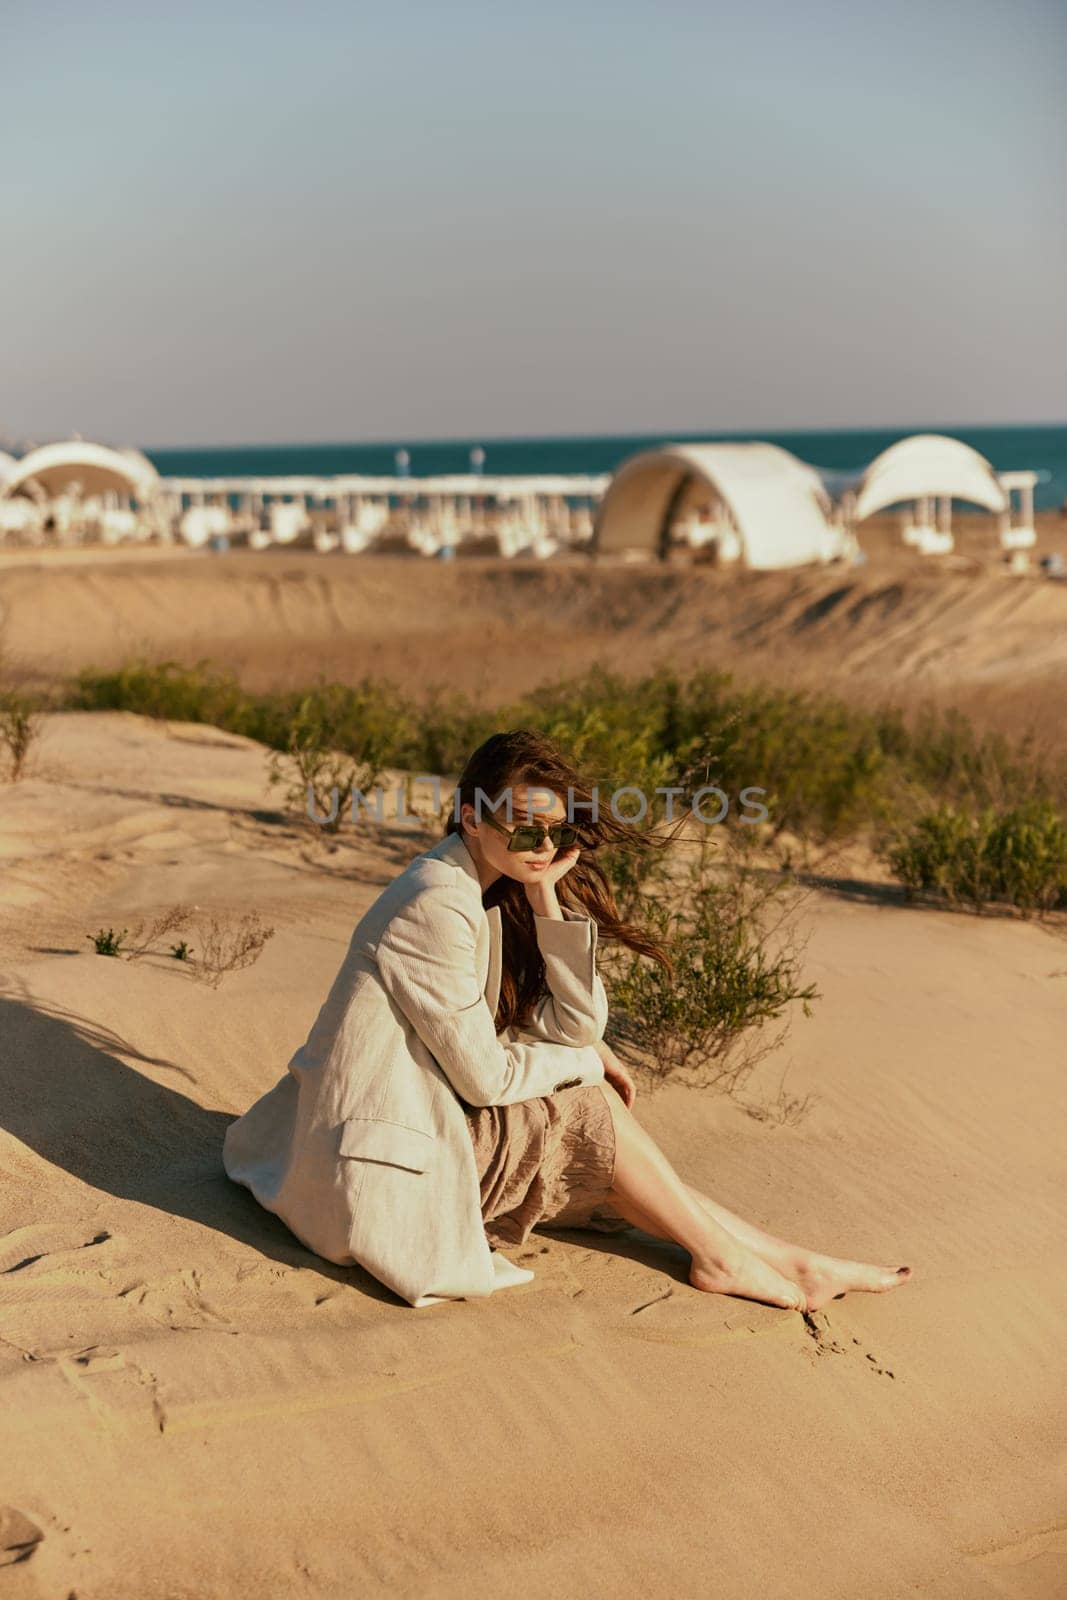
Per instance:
{"type": "Point", "coordinates": [746, 1275]}
{"type": "Point", "coordinates": [824, 1278]}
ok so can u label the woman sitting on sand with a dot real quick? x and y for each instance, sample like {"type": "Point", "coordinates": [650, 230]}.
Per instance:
{"type": "Point", "coordinates": [455, 1089]}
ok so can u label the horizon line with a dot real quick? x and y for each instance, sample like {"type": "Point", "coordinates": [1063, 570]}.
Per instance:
{"type": "Point", "coordinates": [399, 441]}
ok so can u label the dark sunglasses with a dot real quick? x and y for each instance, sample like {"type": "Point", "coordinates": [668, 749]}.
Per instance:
{"type": "Point", "coordinates": [529, 835]}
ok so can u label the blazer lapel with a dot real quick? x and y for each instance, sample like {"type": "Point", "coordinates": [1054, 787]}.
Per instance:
{"type": "Point", "coordinates": [452, 848]}
{"type": "Point", "coordinates": [492, 981]}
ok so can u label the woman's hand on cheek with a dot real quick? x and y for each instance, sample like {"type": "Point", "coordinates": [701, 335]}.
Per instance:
{"type": "Point", "coordinates": [541, 892]}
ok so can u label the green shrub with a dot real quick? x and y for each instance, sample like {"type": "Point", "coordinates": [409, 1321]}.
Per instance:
{"type": "Point", "coordinates": [730, 932]}
{"type": "Point", "coordinates": [21, 726]}
{"type": "Point", "coordinates": [1016, 856]}
{"type": "Point", "coordinates": [1026, 851]}
{"type": "Point", "coordinates": [830, 773]}
{"type": "Point", "coordinates": [165, 689]}
{"type": "Point", "coordinates": [338, 739]}
{"type": "Point", "coordinates": [822, 763]}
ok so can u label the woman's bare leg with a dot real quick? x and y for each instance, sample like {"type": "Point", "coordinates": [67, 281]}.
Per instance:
{"type": "Point", "coordinates": [821, 1277]}
{"type": "Point", "coordinates": [649, 1193]}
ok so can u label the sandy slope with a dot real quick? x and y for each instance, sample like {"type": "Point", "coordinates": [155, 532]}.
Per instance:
{"type": "Point", "coordinates": [958, 629]}
{"type": "Point", "coordinates": [192, 1404]}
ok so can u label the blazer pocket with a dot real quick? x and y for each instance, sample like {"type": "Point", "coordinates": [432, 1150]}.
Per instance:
{"type": "Point", "coordinates": [397, 1144]}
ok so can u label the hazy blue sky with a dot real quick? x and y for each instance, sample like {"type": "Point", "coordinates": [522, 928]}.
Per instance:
{"type": "Point", "coordinates": [336, 221]}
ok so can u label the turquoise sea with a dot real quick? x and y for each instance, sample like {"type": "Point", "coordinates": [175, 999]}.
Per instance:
{"type": "Point", "coordinates": [1044, 449]}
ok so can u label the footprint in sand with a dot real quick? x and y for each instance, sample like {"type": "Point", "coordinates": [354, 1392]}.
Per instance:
{"type": "Point", "coordinates": [112, 1384]}
{"type": "Point", "coordinates": [24, 1247]}
{"type": "Point", "coordinates": [818, 1326]}
{"type": "Point", "coordinates": [177, 1301]}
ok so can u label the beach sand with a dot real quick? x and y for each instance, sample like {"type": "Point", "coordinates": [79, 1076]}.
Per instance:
{"type": "Point", "coordinates": [194, 1404]}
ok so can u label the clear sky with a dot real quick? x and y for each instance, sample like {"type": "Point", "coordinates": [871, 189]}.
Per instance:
{"type": "Point", "coordinates": [267, 223]}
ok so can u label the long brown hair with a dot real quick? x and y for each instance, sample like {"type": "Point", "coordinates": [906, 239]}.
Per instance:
{"type": "Point", "coordinates": [525, 757]}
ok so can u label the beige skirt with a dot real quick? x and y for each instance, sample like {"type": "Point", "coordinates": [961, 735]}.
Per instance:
{"type": "Point", "coordinates": [550, 1161]}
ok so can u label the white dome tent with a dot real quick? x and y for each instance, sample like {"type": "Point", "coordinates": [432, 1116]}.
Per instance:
{"type": "Point", "coordinates": [76, 489]}
{"type": "Point", "coordinates": [55, 469]}
{"type": "Point", "coordinates": [925, 473]}
{"type": "Point", "coordinates": [756, 504]}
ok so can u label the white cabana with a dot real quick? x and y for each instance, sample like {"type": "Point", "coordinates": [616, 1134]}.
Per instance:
{"type": "Point", "coordinates": [761, 505]}
{"type": "Point", "coordinates": [924, 474]}
{"type": "Point", "coordinates": [56, 469]}
{"type": "Point", "coordinates": [931, 466]}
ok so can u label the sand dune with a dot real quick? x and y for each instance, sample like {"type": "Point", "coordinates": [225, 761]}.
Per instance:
{"type": "Point", "coordinates": [958, 630]}
{"type": "Point", "coordinates": [193, 1404]}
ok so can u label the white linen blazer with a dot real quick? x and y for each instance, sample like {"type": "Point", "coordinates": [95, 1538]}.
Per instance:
{"type": "Point", "coordinates": [362, 1147]}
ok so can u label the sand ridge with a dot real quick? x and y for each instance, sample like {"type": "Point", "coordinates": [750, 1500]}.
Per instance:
{"type": "Point", "coordinates": [495, 630]}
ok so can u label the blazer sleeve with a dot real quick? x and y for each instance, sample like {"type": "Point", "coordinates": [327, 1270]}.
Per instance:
{"type": "Point", "coordinates": [575, 1010]}
{"type": "Point", "coordinates": [426, 956]}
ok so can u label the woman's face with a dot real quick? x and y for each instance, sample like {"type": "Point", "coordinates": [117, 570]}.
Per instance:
{"type": "Point", "coordinates": [491, 846]}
